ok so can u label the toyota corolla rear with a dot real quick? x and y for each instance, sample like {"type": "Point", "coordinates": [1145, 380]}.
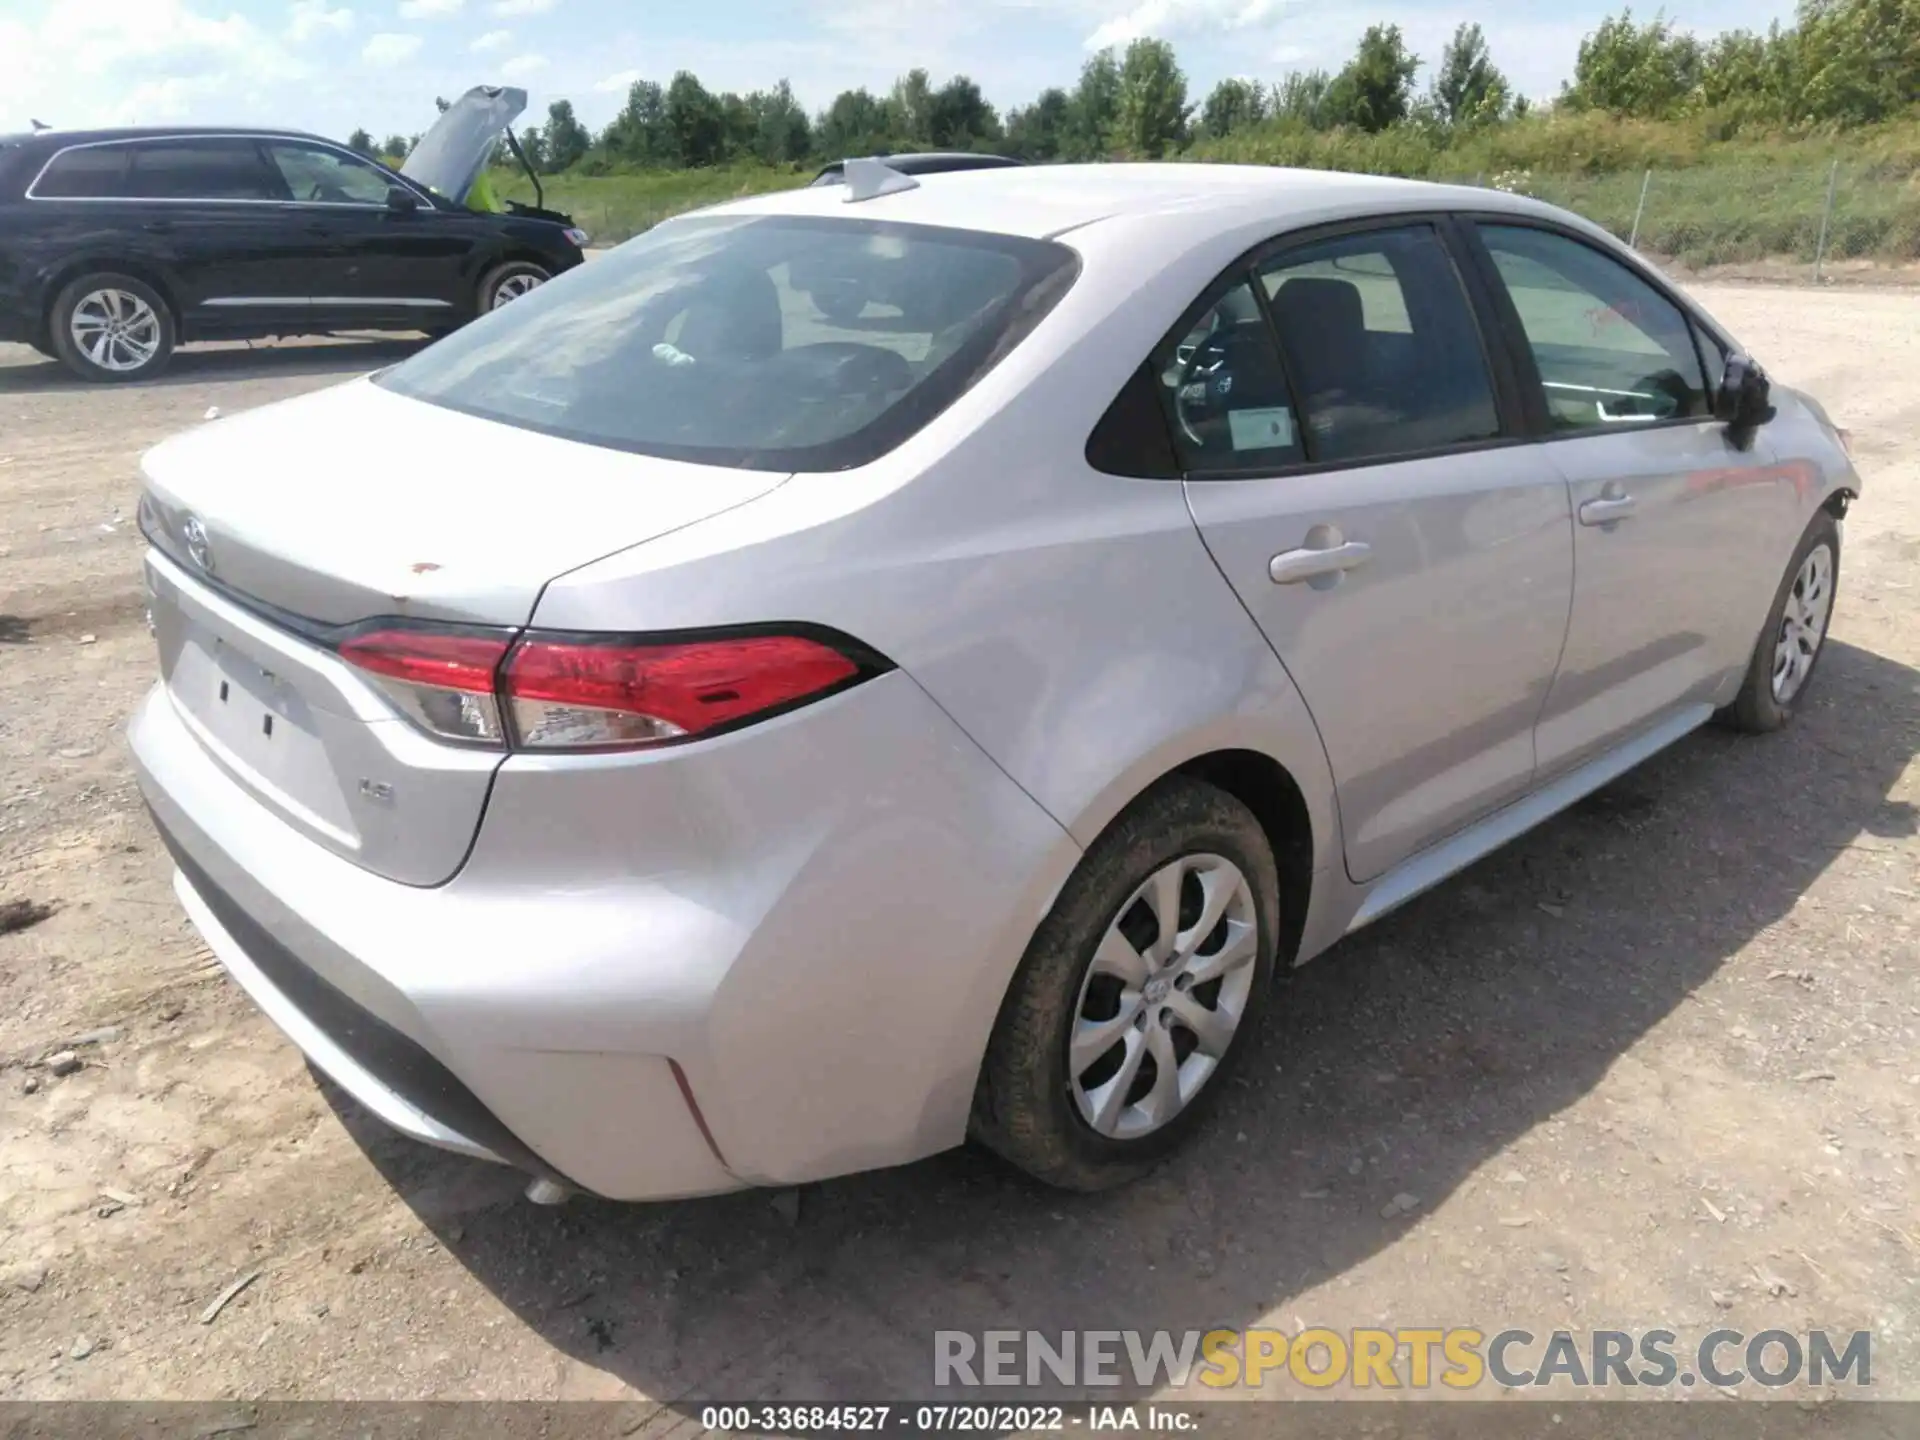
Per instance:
{"type": "Point", "coordinates": [618, 906]}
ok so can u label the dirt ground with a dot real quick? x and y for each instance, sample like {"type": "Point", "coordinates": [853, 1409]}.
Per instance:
{"type": "Point", "coordinates": [1653, 1065]}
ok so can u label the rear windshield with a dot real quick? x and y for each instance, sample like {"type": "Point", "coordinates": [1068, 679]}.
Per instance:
{"type": "Point", "coordinates": [769, 342]}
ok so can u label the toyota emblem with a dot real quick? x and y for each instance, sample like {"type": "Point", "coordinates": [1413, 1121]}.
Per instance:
{"type": "Point", "coordinates": [196, 537]}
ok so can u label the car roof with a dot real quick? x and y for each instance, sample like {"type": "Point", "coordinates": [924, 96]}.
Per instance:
{"type": "Point", "coordinates": [1044, 201]}
{"type": "Point", "coordinates": [61, 139]}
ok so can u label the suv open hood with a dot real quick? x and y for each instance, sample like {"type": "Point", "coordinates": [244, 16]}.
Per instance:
{"type": "Point", "coordinates": [451, 155]}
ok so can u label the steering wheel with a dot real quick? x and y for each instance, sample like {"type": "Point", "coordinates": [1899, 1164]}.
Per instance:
{"type": "Point", "coordinates": [1207, 364]}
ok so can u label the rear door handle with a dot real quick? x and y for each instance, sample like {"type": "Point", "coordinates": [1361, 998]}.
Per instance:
{"type": "Point", "coordinates": [1290, 567]}
{"type": "Point", "coordinates": [1606, 510]}
{"type": "Point", "coordinates": [158, 227]}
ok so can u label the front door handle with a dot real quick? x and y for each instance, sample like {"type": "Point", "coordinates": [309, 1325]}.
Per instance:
{"type": "Point", "coordinates": [1290, 567]}
{"type": "Point", "coordinates": [1606, 510]}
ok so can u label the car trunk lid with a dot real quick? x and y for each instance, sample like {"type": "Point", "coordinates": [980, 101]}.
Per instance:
{"type": "Point", "coordinates": [278, 531]}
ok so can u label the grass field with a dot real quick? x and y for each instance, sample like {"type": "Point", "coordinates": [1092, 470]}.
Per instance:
{"type": "Point", "coordinates": [612, 208]}
{"type": "Point", "coordinates": [1709, 201]}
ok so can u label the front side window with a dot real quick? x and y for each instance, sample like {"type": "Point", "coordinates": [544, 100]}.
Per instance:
{"type": "Point", "coordinates": [202, 169]}
{"type": "Point", "coordinates": [1609, 347]}
{"type": "Point", "coordinates": [327, 176]}
{"type": "Point", "coordinates": [92, 172]}
{"type": "Point", "coordinates": [1381, 343]}
{"type": "Point", "coordinates": [761, 342]}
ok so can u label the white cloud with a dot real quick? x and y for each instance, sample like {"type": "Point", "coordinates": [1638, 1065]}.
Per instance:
{"type": "Point", "coordinates": [309, 18]}
{"type": "Point", "coordinates": [492, 40]}
{"type": "Point", "coordinates": [523, 7]}
{"type": "Point", "coordinates": [619, 82]}
{"type": "Point", "coordinates": [1169, 19]}
{"type": "Point", "coordinates": [523, 65]}
{"type": "Point", "coordinates": [429, 9]}
{"type": "Point", "coordinates": [389, 48]}
{"type": "Point", "coordinates": [130, 62]}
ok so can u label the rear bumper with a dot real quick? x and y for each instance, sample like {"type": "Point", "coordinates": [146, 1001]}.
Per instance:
{"type": "Point", "coordinates": [804, 930]}
{"type": "Point", "coordinates": [392, 1076]}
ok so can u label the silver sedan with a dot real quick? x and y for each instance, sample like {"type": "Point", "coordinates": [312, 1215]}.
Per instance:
{"type": "Point", "coordinates": [870, 666]}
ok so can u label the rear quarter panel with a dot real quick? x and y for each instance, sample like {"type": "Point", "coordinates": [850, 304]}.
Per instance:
{"type": "Point", "coordinates": [1070, 622]}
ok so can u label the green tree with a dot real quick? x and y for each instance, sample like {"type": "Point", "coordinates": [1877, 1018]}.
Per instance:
{"type": "Point", "coordinates": [738, 124]}
{"type": "Point", "coordinates": [1375, 89]}
{"type": "Point", "coordinates": [1859, 59]}
{"type": "Point", "coordinates": [360, 142]}
{"type": "Point", "coordinates": [1039, 132]}
{"type": "Point", "coordinates": [696, 126]}
{"type": "Point", "coordinates": [854, 124]}
{"type": "Point", "coordinates": [1301, 98]}
{"type": "Point", "coordinates": [567, 140]}
{"type": "Point", "coordinates": [1093, 109]}
{"type": "Point", "coordinates": [533, 145]}
{"type": "Point", "coordinates": [396, 147]}
{"type": "Point", "coordinates": [781, 132]}
{"type": "Point", "coordinates": [1233, 105]}
{"type": "Point", "coordinates": [639, 132]}
{"type": "Point", "coordinates": [1468, 89]}
{"type": "Point", "coordinates": [1152, 117]}
{"type": "Point", "coordinates": [959, 117]}
{"type": "Point", "coordinates": [1641, 70]}
{"type": "Point", "coordinates": [910, 110]}
{"type": "Point", "coordinates": [1751, 76]}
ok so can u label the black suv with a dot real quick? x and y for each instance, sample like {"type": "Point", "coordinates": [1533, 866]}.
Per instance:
{"type": "Point", "coordinates": [116, 245]}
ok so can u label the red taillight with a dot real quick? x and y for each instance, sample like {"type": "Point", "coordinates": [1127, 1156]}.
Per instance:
{"type": "Point", "coordinates": [444, 683]}
{"type": "Point", "coordinates": [554, 693]}
{"type": "Point", "coordinates": [570, 695]}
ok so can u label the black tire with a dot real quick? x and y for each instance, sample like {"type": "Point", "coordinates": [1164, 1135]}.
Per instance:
{"type": "Point", "coordinates": [1757, 709]}
{"type": "Point", "coordinates": [1025, 1108]}
{"type": "Point", "coordinates": [511, 275]}
{"type": "Point", "coordinates": [160, 334]}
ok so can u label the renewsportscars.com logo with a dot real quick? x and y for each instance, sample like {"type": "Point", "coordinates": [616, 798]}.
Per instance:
{"type": "Point", "coordinates": [1410, 1358]}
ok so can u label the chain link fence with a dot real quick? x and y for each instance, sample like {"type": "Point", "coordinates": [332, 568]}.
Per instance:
{"type": "Point", "coordinates": [1822, 222]}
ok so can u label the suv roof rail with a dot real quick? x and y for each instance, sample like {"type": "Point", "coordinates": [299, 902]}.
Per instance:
{"type": "Point", "coordinates": [868, 179]}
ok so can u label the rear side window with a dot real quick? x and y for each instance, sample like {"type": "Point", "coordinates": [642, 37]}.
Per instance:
{"type": "Point", "coordinates": [212, 169]}
{"type": "Point", "coordinates": [770, 342]}
{"type": "Point", "coordinates": [95, 172]}
{"type": "Point", "coordinates": [1381, 343]}
{"type": "Point", "coordinates": [1609, 347]}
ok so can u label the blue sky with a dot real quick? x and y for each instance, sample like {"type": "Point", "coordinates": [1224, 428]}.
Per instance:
{"type": "Point", "coordinates": [331, 65]}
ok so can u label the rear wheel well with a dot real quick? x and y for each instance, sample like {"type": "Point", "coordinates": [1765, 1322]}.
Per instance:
{"type": "Point", "coordinates": [143, 273]}
{"type": "Point", "coordinates": [1263, 785]}
{"type": "Point", "coordinates": [1836, 503]}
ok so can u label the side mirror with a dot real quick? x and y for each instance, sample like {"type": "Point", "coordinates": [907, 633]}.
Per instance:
{"type": "Point", "coordinates": [401, 200]}
{"type": "Point", "coordinates": [1743, 401]}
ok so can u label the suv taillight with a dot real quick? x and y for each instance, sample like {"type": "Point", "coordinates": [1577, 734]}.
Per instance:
{"type": "Point", "coordinates": [548, 692]}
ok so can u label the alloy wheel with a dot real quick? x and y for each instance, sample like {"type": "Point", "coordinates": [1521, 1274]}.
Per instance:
{"type": "Point", "coordinates": [1163, 996]}
{"type": "Point", "coordinates": [1803, 623]}
{"type": "Point", "coordinates": [514, 286]}
{"type": "Point", "coordinates": [115, 329]}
